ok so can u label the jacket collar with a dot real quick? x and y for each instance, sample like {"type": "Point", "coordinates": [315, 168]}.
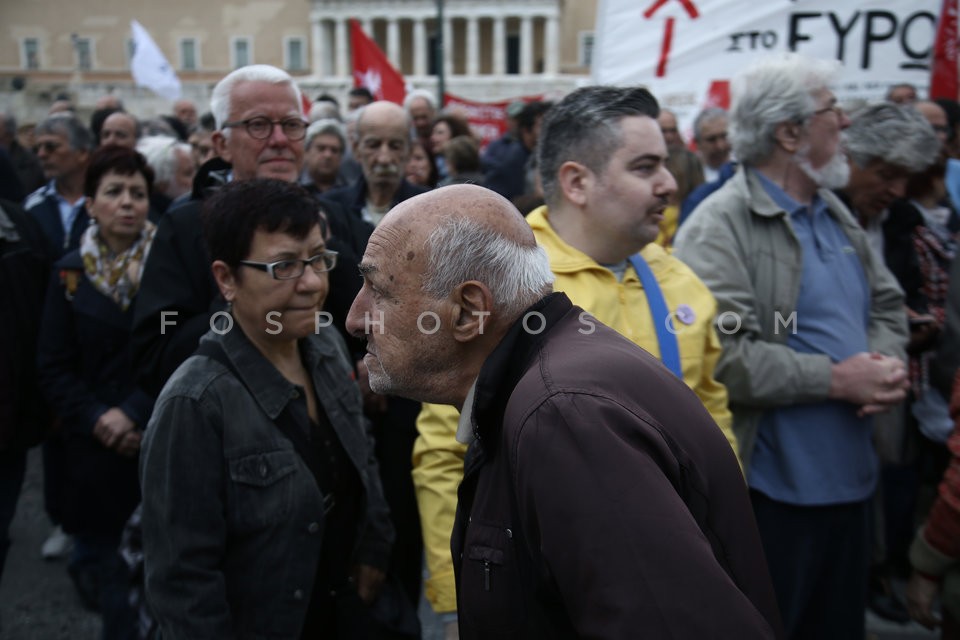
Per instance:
{"type": "Point", "coordinates": [267, 385]}
{"type": "Point", "coordinates": [566, 259]}
{"type": "Point", "coordinates": [506, 364]}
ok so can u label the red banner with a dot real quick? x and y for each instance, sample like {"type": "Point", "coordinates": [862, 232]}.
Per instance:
{"type": "Point", "coordinates": [372, 70]}
{"type": "Point", "coordinates": [488, 120]}
{"type": "Point", "coordinates": [943, 78]}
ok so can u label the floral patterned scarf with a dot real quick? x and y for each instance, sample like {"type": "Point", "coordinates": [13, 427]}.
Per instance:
{"type": "Point", "coordinates": [115, 276]}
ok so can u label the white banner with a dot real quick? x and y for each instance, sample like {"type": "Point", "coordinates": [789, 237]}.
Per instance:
{"type": "Point", "coordinates": [148, 66]}
{"type": "Point", "coordinates": [685, 51]}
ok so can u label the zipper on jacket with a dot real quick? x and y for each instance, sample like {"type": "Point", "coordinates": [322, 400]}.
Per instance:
{"type": "Point", "coordinates": [486, 575]}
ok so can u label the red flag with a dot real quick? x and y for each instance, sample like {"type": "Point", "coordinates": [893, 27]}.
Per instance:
{"type": "Point", "coordinates": [943, 78]}
{"type": "Point", "coordinates": [372, 70]}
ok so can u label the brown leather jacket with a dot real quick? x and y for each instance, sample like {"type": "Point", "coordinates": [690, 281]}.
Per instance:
{"type": "Point", "coordinates": [600, 500]}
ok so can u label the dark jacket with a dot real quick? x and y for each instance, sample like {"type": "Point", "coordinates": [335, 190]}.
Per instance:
{"type": "Point", "coordinates": [601, 501]}
{"type": "Point", "coordinates": [505, 166]}
{"type": "Point", "coordinates": [233, 519]}
{"type": "Point", "coordinates": [44, 208]}
{"type": "Point", "coordinates": [85, 368]}
{"type": "Point", "coordinates": [27, 166]}
{"type": "Point", "coordinates": [24, 269]}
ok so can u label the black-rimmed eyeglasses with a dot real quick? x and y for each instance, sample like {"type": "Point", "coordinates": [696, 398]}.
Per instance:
{"type": "Point", "coordinates": [290, 269]}
{"type": "Point", "coordinates": [261, 127]}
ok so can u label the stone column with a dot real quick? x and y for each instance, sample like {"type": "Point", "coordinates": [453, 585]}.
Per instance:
{"type": "Point", "coordinates": [499, 46]}
{"type": "Point", "coordinates": [341, 35]}
{"type": "Point", "coordinates": [473, 46]}
{"type": "Point", "coordinates": [551, 45]}
{"type": "Point", "coordinates": [447, 46]}
{"type": "Point", "coordinates": [419, 47]}
{"type": "Point", "coordinates": [393, 41]}
{"type": "Point", "coordinates": [319, 48]}
{"type": "Point", "coordinates": [526, 45]}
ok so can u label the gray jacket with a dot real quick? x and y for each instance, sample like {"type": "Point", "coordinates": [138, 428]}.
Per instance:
{"type": "Point", "coordinates": [743, 246]}
{"type": "Point", "coordinates": [232, 516]}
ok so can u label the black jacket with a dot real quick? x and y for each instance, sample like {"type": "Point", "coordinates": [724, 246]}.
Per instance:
{"type": "Point", "coordinates": [24, 268]}
{"type": "Point", "coordinates": [85, 368]}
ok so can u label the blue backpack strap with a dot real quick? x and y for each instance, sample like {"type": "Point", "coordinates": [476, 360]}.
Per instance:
{"type": "Point", "coordinates": [662, 320]}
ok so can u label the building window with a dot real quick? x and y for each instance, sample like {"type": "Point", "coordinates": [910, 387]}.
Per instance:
{"type": "Point", "coordinates": [188, 54]}
{"type": "Point", "coordinates": [31, 53]}
{"type": "Point", "coordinates": [513, 55]}
{"type": "Point", "coordinates": [293, 55]}
{"type": "Point", "coordinates": [585, 54]}
{"type": "Point", "coordinates": [241, 52]}
{"type": "Point", "coordinates": [83, 50]}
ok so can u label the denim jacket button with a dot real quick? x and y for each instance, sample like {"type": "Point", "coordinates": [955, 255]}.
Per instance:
{"type": "Point", "coordinates": [313, 527]}
{"type": "Point", "coordinates": [263, 469]}
{"type": "Point", "coordinates": [298, 594]}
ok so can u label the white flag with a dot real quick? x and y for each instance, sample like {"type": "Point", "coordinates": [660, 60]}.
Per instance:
{"type": "Point", "coordinates": [148, 66]}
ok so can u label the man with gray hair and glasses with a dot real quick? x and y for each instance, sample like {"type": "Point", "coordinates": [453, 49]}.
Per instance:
{"type": "Point", "coordinates": [63, 147]}
{"type": "Point", "coordinates": [813, 330]}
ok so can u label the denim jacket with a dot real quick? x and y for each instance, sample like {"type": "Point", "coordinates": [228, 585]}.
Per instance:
{"type": "Point", "coordinates": [232, 516]}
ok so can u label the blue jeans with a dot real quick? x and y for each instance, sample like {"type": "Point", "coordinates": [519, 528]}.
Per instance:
{"type": "Point", "coordinates": [13, 467]}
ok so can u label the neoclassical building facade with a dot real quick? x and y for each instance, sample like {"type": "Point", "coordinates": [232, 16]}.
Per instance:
{"type": "Point", "coordinates": [492, 50]}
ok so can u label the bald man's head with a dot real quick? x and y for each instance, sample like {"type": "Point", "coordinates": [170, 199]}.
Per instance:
{"type": "Point", "coordinates": [383, 144]}
{"type": "Point", "coordinates": [445, 274]}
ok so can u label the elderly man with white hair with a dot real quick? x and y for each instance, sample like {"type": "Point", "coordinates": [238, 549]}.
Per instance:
{"type": "Point", "coordinates": [174, 169]}
{"type": "Point", "coordinates": [813, 330]}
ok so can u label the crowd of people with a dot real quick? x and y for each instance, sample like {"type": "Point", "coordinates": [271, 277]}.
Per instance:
{"type": "Point", "coordinates": [599, 381]}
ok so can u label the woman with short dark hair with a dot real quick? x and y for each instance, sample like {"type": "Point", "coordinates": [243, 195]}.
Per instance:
{"type": "Point", "coordinates": [263, 514]}
{"type": "Point", "coordinates": [86, 373]}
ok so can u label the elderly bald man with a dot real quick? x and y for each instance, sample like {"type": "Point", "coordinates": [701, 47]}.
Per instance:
{"type": "Point", "coordinates": [598, 496]}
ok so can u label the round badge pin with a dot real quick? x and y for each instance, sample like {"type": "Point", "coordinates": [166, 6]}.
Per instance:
{"type": "Point", "coordinates": [685, 314]}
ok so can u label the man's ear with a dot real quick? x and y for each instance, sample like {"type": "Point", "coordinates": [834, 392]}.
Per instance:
{"type": "Point", "coordinates": [220, 145]}
{"type": "Point", "coordinates": [788, 135]}
{"type": "Point", "coordinates": [226, 280]}
{"type": "Point", "coordinates": [472, 307]}
{"type": "Point", "coordinates": [575, 181]}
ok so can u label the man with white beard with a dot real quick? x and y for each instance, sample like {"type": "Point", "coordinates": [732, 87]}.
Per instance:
{"type": "Point", "coordinates": [813, 331]}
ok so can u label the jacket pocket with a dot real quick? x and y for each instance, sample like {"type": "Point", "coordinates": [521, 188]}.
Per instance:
{"type": "Point", "coordinates": [491, 583]}
{"type": "Point", "coordinates": [261, 488]}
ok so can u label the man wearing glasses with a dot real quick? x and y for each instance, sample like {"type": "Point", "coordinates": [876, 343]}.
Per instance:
{"type": "Point", "coordinates": [260, 132]}
{"type": "Point", "coordinates": [813, 335]}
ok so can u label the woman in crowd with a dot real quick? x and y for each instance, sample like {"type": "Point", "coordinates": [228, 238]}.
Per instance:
{"type": "Point", "coordinates": [421, 169]}
{"type": "Point", "coordinates": [446, 127]}
{"type": "Point", "coordinates": [87, 376]}
{"type": "Point", "coordinates": [263, 514]}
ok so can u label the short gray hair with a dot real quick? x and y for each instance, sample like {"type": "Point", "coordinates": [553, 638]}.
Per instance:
{"type": "Point", "coordinates": [79, 137]}
{"type": "Point", "coordinates": [897, 135]}
{"type": "Point", "coordinates": [777, 89]}
{"type": "Point", "coordinates": [461, 249]}
{"type": "Point", "coordinates": [708, 115]}
{"type": "Point", "coordinates": [420, 94]}
{"type": "Point", "coordinates": [327, 126]}
{"type": "Point", "coordinates": [221, 97]}
{"type": "Point", "coordinates": [160, 152]}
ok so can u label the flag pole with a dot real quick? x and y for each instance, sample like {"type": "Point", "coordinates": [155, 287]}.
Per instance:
{"type": "Point", "coordinates": [438, 53]}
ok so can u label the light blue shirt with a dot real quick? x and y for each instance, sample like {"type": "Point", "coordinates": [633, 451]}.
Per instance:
{"type": "Point", "coordinates": [820, 453]}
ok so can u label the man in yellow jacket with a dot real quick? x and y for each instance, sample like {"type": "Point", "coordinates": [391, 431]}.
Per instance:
{"type": "Point", "coordinates": [606, 186]}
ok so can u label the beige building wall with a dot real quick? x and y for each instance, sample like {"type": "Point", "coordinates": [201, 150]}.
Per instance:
{"type": "Point", "coordinates": [268, 25]}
